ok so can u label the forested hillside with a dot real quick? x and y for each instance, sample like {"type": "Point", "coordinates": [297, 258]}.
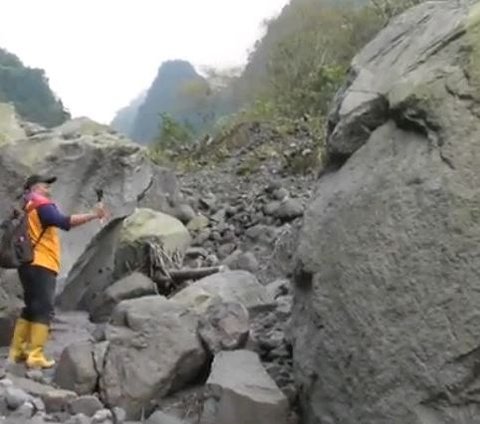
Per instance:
{"type": "Point", "coordinates": [28, 90]}
{"type": "Point", "coordinates": [292, 74]}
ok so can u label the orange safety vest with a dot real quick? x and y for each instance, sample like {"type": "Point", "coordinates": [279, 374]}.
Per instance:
{"type": "Point", "coordinates": [47, 252]}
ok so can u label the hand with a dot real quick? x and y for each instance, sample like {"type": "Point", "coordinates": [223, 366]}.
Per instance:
{"type": "Point", "coordinates": [100, 211]}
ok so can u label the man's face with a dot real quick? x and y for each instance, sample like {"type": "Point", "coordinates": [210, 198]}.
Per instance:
{"type": "Point", "coordinates": [42, 189]}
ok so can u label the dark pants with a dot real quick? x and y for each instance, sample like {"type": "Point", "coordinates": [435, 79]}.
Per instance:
{"type": "Point", "coordinates": [39, 293]}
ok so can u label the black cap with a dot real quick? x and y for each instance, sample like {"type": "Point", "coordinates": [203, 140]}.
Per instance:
{"type": "Point", "coordinates": [35, 179]}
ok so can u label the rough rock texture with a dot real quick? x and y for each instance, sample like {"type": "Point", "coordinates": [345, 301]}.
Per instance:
{"type": "Point", "coordinates": [10, 128]}
{"type": "Point", "coordinates": [130, 287]}
{"type": "Point", "coordinates": [153, 350]}
{"type": "Point", "coordinates": [386, 318]}
{"type": "Point", "coordinates": [231, 286]}
{"type": "Point", "coordinates": [159, 417]}
{"type": "Point", "coordinates": [118, 250]}
{"type": "Point", "coordinates": [85, 156]}
{"type": "Point", "coordinates": [76, 370]}
{"type": "Point", "coordinates": [10, 304]}
{"type": "Point", "coordinates": [241, 392]}
{"type": "Point", "coordinates": [225, 326]}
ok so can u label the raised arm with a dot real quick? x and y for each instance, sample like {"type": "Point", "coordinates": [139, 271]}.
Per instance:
{"type": "Point", "coordinates": [51, 216]}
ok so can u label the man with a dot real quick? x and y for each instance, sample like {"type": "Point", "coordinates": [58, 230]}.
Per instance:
{"type": "Point", "coordinates": [39, 278]}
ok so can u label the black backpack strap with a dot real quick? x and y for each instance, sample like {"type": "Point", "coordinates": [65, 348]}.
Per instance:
{"type": "Point", "coordinates": [39, 238]}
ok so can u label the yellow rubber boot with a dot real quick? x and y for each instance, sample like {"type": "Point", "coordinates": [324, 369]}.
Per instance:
{"type": "Point", "coordinates": [21, 335]}
{"type": "Point", "coordinates": [38, 339]}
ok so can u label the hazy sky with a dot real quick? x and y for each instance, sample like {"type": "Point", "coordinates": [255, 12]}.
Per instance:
{"type": "Point", "coordinates": [99, 54]}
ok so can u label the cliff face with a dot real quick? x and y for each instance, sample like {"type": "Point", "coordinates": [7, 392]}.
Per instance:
{"type": "Point", "coordinates": [385, 323]}
{"type": "Point", "coordinates": [166, 95]}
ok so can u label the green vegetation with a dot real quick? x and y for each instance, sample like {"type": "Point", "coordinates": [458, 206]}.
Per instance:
{"type": "Point", "coordinates": [291, 76]}
{"type": "Point", "coordinates": [28, 90]}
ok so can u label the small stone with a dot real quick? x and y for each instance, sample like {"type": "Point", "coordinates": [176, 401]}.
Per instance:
{"type": "Point", "coordinates": [159, 417]}
{"type": "Point", "coordinates": [87, 405]}
{"type": "Point", "coordinates": [184, 213]}
{"type": "Point", "coordinates": [119, 415]}
{"type": "Point", "coordinates": [279, 288]}
{"type": "Point", "coordinates": [5, 383]}
{"type": "Point", "coordinates": [25, 411]}
{"type": "Point", "coordinates": [289, 209]}
{"type": "Point", "coordinates": [280, 194]}
{"type": "Point", "coordinates": [35, 375]}
{"type": "Point", "coordinates": [102, 416]}
{"type": "Point", "coordinates": [16, 397]}
{"type": "Point", "coordinates": [224, 326]}
{"type": "Point", "coordinates": [271, 208]}
{"type": "Point", "coordinates": [225, 250]}
{"type": "Point", "coordinates": [198, 223]}
{"type": "Point", "coordinates": [79, 419]}
{"type": "Point", "coordinates": [242, 261]}
{"type": "Point", "coordinates": [38, 404]}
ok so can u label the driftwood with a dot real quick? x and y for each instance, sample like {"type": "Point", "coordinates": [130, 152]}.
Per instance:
{"type": "Point", "coordinates": [177, 276]}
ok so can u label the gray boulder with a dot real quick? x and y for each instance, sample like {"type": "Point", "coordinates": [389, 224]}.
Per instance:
{"type": "Point", "coordinates": [130, 287]}
{"type": "Point", "coordinates": [225, 326]}
{"type": "Point", "coordinates": [84, 156]}
{"type": "Point", "coordinates": [121, 248]}
{"type": "Point", "coordinates": [10, 304]}
{"type": "Point", "coordinates": [232, 286]}
{"type": "Point", "coordinates": [153, 350]}
{"type": "Point", "coordinates": [241, 392]}
{"type": "Point", "coordinates": [76, 370]}
{"type": "Point", "coordinates": [386, 314]}
{"type": "Point", "coordinates": [86, 405]}
{"type": "Point", "coordinates": [10, 128]}
{"type": "Point", "coordinates": [159, 417]}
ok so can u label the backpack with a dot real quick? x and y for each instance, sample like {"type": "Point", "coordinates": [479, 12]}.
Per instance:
{"type": "Point", "coordinates": [16, 248]}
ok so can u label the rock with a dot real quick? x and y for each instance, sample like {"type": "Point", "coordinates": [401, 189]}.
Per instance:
{"type": "Point", "coordinates": [102, 416]}
{"type": "Point", "coordinates": [386, 315]}
{"type": "Point", "coordinates": [280, 194]}
{"type": "Point", "coordinates": [24, 412]}
{"type": "Point", "coordinates": [242, 392]}
{"type": "Point", "coordinates": [98, 159]}
{"type": "Point", "coordinates": [119, 415]}
{"type": "Point", "coordinates": [153, 350]}
{"type": "Point", "coordinates": [79, 419]}
{"type": "Point", "coordinates": [10, 128]}
{"type": "Point", "coordinates": [130, 287]}
{"type": "Point", "coordinates": [35, 375]}
{"type": "Point", "coordinates": [184, 213]}
{"type": "Point", "coordinates": [289, 209]}
{"type": "Point", "coordinates": [55, 400]}
{"type": "Point", "coordinates": [159, 417]}
{"type": "Point", "coordinates": [16, 397]}
{"type": "Point", "coordinates": [10, 304]}
{"type": "Point", "coordinates": [198, 223]}
{"type": "Point", "coordinates": [278, 288]}
{"type": "Point", "coordinates": [231, 286]}
{"type": "Point", "coordinates": [225, 249]}
{"type": "Point", "coordinates": [76, 369]}
{"type": "Point", "coordinates": [122, 246]}
{"type": "Point", "coordinates": [271, 208]}
{"type": "Point", "coordinates": [242, 261]}
{"type": "Point", "coordinates": [86, 405]}
{"type": "Point", "coordinates": [225, 326]}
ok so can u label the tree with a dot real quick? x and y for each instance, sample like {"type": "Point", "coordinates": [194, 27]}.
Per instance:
{"type": "Point", "coordinates": [172, 133]}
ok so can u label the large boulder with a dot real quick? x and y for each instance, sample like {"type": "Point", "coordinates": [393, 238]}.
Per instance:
{"type": "Point", "coordinates": [10, 304]}
{"type": "Point", "coordinates": [10, 128]}
{"type": "Point", "coordinates": [153, 351]}
{"type": "Point", "coordinates": [85, 156]}
{"type": "Point", "coordinates": [230, 286]}
{"type": "Point", "coordinates": [386, 320]}
{"type": "Point", "coordinates": [122, 247]}
{"type": "Point", "coordinates": [239, 391]}
{"type": "Point", "coordinates": [130, 287]}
